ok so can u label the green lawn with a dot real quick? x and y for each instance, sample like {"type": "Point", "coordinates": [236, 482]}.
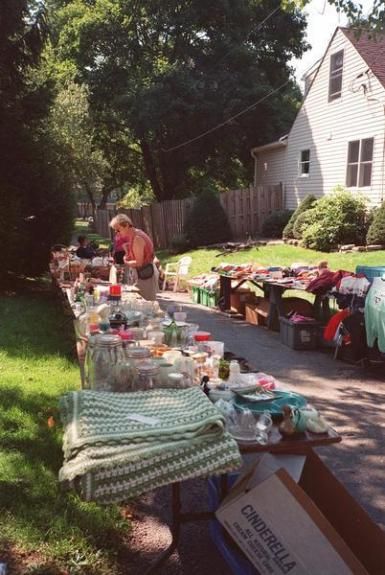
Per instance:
{"type": "Point", "coordinates": [43, 530]}
{"type": "Point", "coordinates": [205, 259]}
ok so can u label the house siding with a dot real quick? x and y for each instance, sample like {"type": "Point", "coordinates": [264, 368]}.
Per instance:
{"type": "Point", "coordinates": [270, 166]}
{"type": "Point", "coordinates": [325, 128]}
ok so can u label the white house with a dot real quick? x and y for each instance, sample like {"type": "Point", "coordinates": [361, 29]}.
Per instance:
{"type": "Point", "coordinates": [338, 136]}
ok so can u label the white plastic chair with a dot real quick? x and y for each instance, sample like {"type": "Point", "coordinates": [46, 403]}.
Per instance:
{"type": "Point", "coordinates": [177, 271]}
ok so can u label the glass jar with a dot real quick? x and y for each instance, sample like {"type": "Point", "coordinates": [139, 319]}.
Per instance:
{"type": "Point", "coordinates": [148, 376]}
{"type": "Point", "coordinates": [104, 354]}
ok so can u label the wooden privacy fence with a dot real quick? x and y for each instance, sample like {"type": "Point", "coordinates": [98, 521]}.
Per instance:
{"type": "Point", "coordinates": [246, 210]}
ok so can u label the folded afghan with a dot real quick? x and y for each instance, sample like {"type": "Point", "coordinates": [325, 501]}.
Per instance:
{"type": "Point", "coordinates": [120, 445]}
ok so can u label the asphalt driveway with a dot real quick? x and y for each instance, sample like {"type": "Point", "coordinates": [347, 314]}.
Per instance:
{"type": "Point", "coordinates": [351, 398]}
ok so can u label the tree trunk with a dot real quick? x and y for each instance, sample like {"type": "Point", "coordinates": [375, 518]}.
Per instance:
{"type": "Point", "coordinates": [150, 169]}
{"type": "Point", "coordinates": [89, 194]}
{"type": "Point", "coordinates": [106, 192]}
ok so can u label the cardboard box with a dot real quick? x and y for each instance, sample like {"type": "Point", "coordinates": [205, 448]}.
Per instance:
{"type": "Point", "coordinates": [313, 528]}
{"type": "Point", "coordinates": [239, 299]}
{"type": "Point", "coordinates": [256, 312]}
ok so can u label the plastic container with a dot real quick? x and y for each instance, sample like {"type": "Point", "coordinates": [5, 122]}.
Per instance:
{"type": "Point", "coordinates": [301, 336]}
{"type": "Point", "coordinates": [196, 294]}
{"type": "Point", "coordinates": [203, 296]}
{"type": "Point", "coordinates": [212, 299]}
{"type": "Point", "coordinates": [371, 272]}
{"type": "Point", "coordinates": [202, 336]}
{"type": "Point", "coordinates": [236, 560]}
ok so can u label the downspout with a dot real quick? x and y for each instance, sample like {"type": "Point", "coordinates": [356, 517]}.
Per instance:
{"type": "Point", "coordinates": [374, 99]}
{"type": "Point", "coordinates": [255, 157]}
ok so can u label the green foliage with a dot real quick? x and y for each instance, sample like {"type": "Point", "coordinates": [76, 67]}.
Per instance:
{"type": "Point", "coordinates": [376, 231]}
{"type": "Point", "coordinates": [338, 218]}
{"type": "Point", "coordinates": [172, 72]}
{"type": "Point", "coordinates": [303, 220]}
{"type": "Point", "coordinates": [306, 204]}
{"type": "Point", "coordinates": [35, 202]}
{"type": "Point", "coordinates": [136, 197]}
{"type": "Point", "coordinates": [275, 223]}
{"type": "Point", "coordinates": [207, 221]}
{"type": "Point", "coordinates": [71, 127]}
{"type": "Point", "coordinates": [179, 244]}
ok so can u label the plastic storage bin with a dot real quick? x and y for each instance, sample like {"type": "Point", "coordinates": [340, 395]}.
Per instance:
{"type": "Point", "coordinates": [196, 294]}
{"type": "Point", "coordinates": [236, 560]}
{"type": "Point", "coordinates": [371, 271]}
{"type": "Point", "coordinates": [208, 298]}
{"type": "Point", "coordinates": [299, 335]}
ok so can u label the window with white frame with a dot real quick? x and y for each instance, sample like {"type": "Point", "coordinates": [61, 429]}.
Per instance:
{"type": "Point", "coordinates": [304, 163]}
{"type": "Point", "coordinates": [360, 160]}
{"type": "Point", "coordinates": [335, 75]}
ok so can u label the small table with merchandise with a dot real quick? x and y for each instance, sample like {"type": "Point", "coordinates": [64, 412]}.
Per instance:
{"type": "Point", "coordinates": [273, 290]}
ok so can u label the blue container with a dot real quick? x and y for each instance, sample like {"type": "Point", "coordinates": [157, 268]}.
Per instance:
{"type": "Point", "coordinates": [236, 560]}
{"type": "Point", "coordinates": [371, 271]}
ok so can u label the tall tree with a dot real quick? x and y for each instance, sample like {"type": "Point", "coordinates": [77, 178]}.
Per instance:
{"type": "Point", "coordinates": [164, 72]}
{"type": "Point", "coordinates": [33, 209]}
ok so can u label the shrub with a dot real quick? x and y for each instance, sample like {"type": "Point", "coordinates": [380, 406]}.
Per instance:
{"type": "Point", "coordinates": [376, 231]}
{"type": "Point", "coordinates": [306, 204]}
{"type": "Point", "coordinates": [275, 222]}
{"type": "Point", "coordinates": [207, 222]}
{"type": "Point", "coordinates": [179, 244]}
{"type": "Point", "coordinates": [304, 220]}
{"type": "Point", "coordinates": [338, 218]}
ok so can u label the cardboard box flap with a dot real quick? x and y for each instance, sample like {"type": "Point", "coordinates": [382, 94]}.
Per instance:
{"type": "Point", "coordinates": [264, 466]}
{"type": "Point", "coordinates": [282, 531]}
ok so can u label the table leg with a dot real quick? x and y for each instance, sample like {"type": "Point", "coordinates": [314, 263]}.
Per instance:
{"type": "Point", "coordinates": [276, 308]}
{"type": "Point", "coordinates": [175, 530]}
{"type": "Point", "coordinates": [224, 293]}
{"type": "Point", "coordinates": [322, 308]}
{"type": "Point", "coordinates": [176, 521]}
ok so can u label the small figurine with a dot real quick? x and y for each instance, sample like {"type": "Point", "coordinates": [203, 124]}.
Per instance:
{"type": "Point", "coordinates": [287, 427]}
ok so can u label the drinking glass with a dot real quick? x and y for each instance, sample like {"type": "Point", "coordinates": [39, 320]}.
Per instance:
{"type": "Point", "coordinates": [264, 424]}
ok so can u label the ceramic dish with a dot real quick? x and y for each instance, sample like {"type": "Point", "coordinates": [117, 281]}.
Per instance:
{"type": "Point", "coordinates": [274, 405]}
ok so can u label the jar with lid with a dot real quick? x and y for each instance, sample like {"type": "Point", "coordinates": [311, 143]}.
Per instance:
{"type": "Point", "coordinates": [104, 353]}
{"type": "Point", "coordinates": [147, 375]}
{"type": "Point", "coordinates": [135, 354]}
{"type": "Point", "coordinates": [234, 373]}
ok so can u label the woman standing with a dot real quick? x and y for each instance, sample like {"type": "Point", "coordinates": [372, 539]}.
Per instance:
{"type": "Point", "coordinates": [139, 254]}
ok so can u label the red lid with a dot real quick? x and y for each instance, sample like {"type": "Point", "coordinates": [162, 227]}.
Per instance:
{"type": "Point", "coordinates": [126, 335]}
{"type": "Point", "coordinates": [202, 336]}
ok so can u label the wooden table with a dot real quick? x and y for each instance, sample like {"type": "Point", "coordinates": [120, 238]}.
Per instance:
{"type": "Point", "coordinates": [273, 291]}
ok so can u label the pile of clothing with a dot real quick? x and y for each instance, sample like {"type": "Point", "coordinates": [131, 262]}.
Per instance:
{"type": "Point", "coordinates": [120, 445]}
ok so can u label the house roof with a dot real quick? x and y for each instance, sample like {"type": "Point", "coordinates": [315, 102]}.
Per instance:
{"type": "Point", "coordinates": [371, 48]}
{"type": "Point", "coordinates": [272, 146]}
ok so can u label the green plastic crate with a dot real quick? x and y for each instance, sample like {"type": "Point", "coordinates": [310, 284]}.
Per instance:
{"type": "Point", "coordinates": [209, 298]}
{"type": "Point", "coordinates": [196, 294]}
{"type": "Point", "coordinates": [204, 296]}
{"type": "Point", "coordinates": [212, 299]}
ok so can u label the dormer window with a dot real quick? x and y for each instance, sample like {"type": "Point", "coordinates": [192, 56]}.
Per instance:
{"type": "Point", "coordinates": [335, 75]}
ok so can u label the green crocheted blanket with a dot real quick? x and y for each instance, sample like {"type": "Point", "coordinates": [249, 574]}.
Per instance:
{"type": "Point", "coordinates": [119, 445]}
